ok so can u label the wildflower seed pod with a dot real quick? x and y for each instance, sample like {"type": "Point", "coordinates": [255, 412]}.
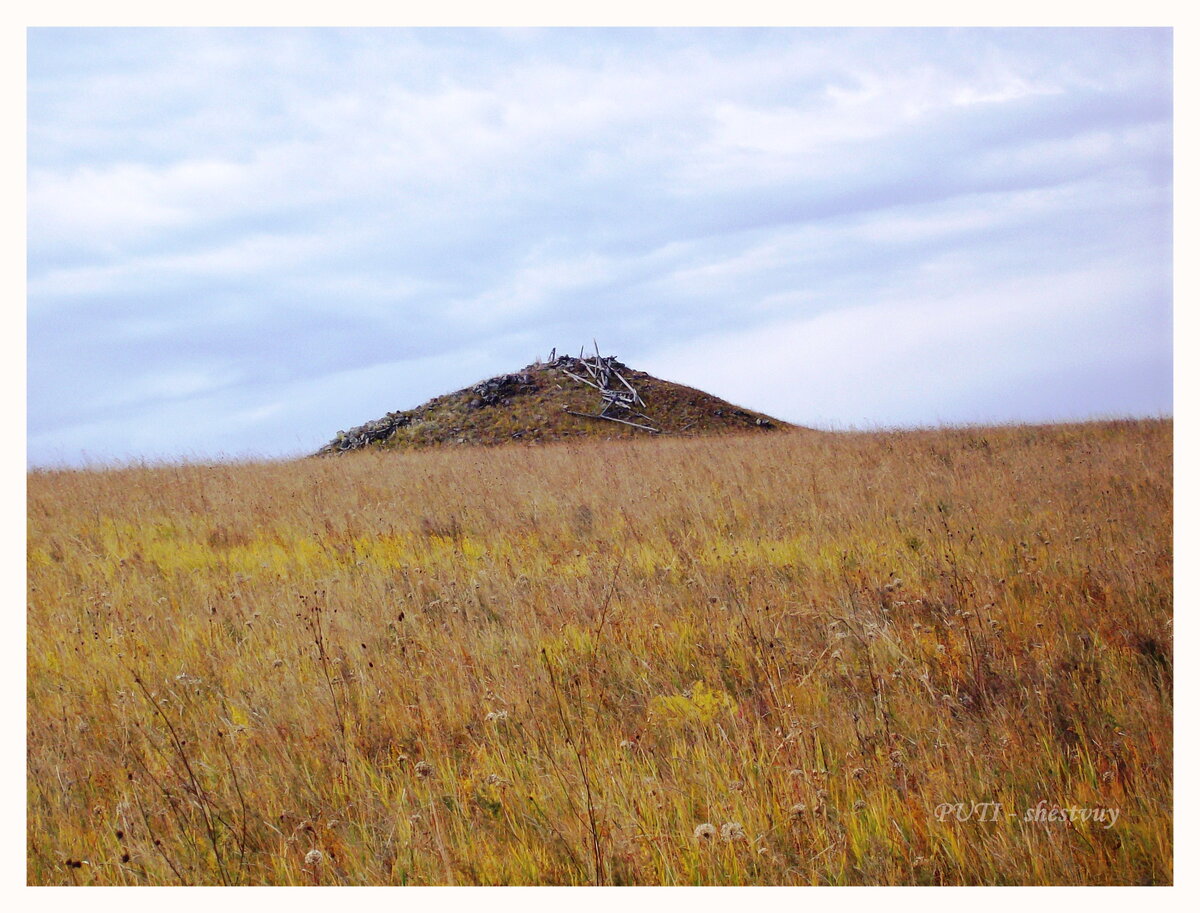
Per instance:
{"type": "Point", "coordinates": [731, 831]}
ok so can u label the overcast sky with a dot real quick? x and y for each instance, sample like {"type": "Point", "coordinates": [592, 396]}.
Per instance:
{"type": "Point", "coordinates": [242, 241]}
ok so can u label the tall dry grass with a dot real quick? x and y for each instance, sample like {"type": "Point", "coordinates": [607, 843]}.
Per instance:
{"type": "Point", "coordinates": [557, 665]}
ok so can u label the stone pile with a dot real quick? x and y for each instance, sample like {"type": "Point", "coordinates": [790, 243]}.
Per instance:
{"type": "Point", "coordinates": [497, 390]}
{"type": "Point", "coordinates": [379, 430]}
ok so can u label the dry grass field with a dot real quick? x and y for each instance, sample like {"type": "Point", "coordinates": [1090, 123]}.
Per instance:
{"type": "Point", "coordinates": [764, 659]}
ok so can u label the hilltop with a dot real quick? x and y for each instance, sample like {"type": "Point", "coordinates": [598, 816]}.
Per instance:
{"type": "Point", "coordinates": [563, 398]}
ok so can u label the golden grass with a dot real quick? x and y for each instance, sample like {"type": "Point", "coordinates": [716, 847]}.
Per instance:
{"type": "Point", "coordinates": [555, 665]}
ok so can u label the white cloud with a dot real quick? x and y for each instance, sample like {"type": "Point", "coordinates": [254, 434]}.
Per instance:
{"type": "Point", "coordinates": [928, 358]}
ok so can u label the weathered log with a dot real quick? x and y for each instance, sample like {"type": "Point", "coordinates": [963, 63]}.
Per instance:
{"type": "Point", "coordinates": [582, 379]}
{"type": "Point", "coordinates": [637, 396]}
{"type": "Point", "coordinates": [609, 418]}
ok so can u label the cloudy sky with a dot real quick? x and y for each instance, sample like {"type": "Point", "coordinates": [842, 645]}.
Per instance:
{"type": "Point", "coordinates": [242, 241]}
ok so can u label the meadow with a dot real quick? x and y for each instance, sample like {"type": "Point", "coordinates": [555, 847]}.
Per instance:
{"type": "Point", "coordinates": [786, 659]}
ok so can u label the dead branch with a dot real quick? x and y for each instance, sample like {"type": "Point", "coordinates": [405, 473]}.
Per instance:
{"type": "Point", "coordinates": [601, 370]}
{"type": "Point", "coordinates": [609, 418]}
{"type": "Point", "coordinates": [636, 396]}
{"type": "Point", "coordinates": [582, 379]}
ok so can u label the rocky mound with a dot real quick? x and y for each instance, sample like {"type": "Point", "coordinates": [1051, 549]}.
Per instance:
{"type": "Point", "coordinates": [564, 398]}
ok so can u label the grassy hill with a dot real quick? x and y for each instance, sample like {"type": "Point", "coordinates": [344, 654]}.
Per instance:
{"type": "Point", "coordinates": [788, 658]}
{"type": "Point", "coordinates": [551, 401]}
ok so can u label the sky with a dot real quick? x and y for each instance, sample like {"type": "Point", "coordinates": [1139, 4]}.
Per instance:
{"type": "Point", "coordinates": [241, 241]}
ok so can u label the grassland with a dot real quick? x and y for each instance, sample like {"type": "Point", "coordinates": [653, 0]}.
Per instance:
{"type": "Point", "coordinates": [558, 664]}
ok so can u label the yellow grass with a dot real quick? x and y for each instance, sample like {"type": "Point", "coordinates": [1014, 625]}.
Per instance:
{"type": "Point", "coordinates": [554, 665]}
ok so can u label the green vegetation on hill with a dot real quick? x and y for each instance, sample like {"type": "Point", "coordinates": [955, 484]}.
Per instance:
{"type": "Point", "coordinates": [536, 404]}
